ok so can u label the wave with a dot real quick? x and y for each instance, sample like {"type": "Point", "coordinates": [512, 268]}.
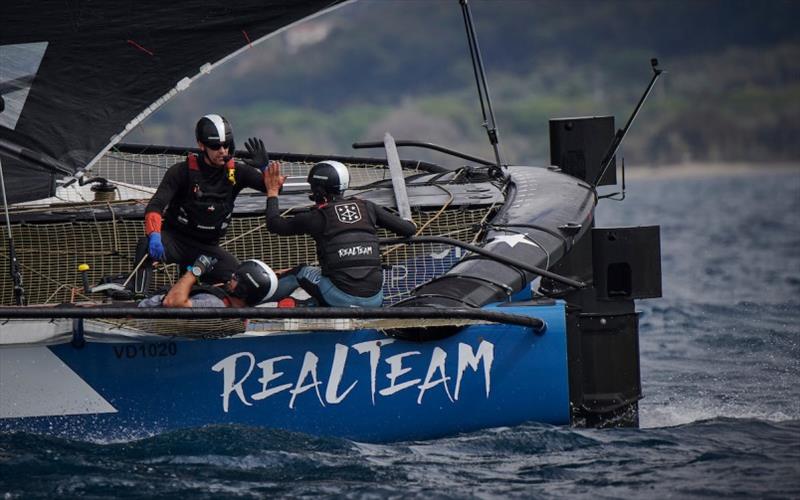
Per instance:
{"type": "Point", "coordinates": [715, 457]}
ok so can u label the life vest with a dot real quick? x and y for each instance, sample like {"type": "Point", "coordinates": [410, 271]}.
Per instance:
{"type": "Point", "coordinates": [203, 212]}
{"type": "Point", "coordinates": [348, 250]}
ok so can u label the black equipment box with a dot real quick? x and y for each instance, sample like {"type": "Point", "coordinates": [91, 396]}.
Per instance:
{"type": "Point", "coordinates": [578, 145]}
{"type": "Point", "coordinates": [627, 262]}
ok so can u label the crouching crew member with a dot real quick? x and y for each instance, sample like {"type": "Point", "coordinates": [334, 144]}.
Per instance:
{"type": "Point", "coordinates": [253, 282]}
{"type": "Point", "coordinates": [345, 233]}
{"type": "Point", "coordinates": [193, 205]}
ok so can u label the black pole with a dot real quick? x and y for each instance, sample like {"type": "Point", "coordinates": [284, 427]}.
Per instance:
{"type": "Point", "coordinates": [620, 135]}
{"type": "Point", "coordinates": [425, 145]}
{"type": "Point", "coordinates": [95, 312]}
{"type": "Point", "coordinates": [481, 251]}
{"type": "Point", "coordinates": [13, 265]}
{"type": "Point", "coordinates": [480, 81]}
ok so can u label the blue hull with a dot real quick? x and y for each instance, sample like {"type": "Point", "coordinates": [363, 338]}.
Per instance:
{"type": "Point", "coordinates": [358, 385]}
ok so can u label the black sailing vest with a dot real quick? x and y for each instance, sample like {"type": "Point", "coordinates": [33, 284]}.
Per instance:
{"type": "Point", "coordinates": [348, 251]}
{"type": "Point", "coordinates": [204, 210]}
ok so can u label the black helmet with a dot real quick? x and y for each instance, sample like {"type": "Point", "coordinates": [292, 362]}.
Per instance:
{"type": "Point", "coordinates": [255, 282]}
{"type": "Point", "coordinates": [328, 178]}
{"type": "Point", "coordinates": [213, 130]}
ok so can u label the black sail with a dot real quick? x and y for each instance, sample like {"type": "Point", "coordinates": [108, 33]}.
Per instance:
{"type": "Point", "coordinates": [74, 76]}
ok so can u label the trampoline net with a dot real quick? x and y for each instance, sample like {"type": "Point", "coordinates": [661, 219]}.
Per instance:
{"type": "Point", "coordinates": [49, 253]}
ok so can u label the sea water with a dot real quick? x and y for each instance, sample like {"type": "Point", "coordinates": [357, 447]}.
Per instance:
{"type": "Point", "coordinates": [720, 371]}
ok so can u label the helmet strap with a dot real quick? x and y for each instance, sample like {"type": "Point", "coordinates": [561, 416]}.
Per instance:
{"type": "Point", "coordinates": [206, 158]}
{"type": "Point", "coordinates": [318, 197]}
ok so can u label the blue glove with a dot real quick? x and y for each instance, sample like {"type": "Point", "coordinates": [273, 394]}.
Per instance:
{"type": "Point", "coordinates": [259, 158]}
{"type": "Point", "coordinates": [156, 248]}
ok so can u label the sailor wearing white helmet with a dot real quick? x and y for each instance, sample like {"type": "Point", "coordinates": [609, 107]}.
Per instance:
{"type": "Point", "coordinates": [192, 208]}
{"type": "Point", "coordinates": [345, 231]}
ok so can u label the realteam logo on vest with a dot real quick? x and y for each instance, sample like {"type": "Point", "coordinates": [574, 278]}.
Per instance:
{"type": "Point", "coordinates": [348, 213]}
{"type": "Point", "coordinates": [355, 251]}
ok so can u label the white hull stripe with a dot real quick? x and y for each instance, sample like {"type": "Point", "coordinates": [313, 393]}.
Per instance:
{"type": "Point", "coordinates": [34, 382]}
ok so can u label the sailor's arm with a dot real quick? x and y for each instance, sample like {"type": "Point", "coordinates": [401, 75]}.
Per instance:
{"type": "Point", "coordinates": [394, 223]}
{"type": "Point", "coordinates": [169, 185]}
{"type": "Point", "coordinates": [273, 181]}
{"type": "Point", "coordinates": [250, 177]}
{"type": "Point", "coordinates": [178, 295]}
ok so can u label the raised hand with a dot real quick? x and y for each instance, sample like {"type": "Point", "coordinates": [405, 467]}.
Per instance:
{"type": "Point", "coordinates": [273, 180]}
{"type": "Point", "coordinates": [259, 158]}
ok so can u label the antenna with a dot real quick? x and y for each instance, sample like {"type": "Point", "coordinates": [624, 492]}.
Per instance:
{"type": "Point", "coordinates": [620, 135]}
{"type": "Point", "coordinates": [480, 81]}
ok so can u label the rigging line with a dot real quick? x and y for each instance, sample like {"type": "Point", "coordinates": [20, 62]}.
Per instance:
{"type": "Point", "coordinates": [428, 222]}
{"type": "Point", "coordinates": [483, 222]}
{"type": "Point", "coordinates": [5, 201]}
{"type": "Point", "coordinates": [472, 59]}
{"type": "Point", "coordinates": [13, 264]}
{"type": "Point", "coordinates": [114, 229]}
{"type": "Point", "coordinates": [439, 213]}
{"type": "Point", "coordinates": [39, 274]}
{"type": "Point", "coordinates": [135, 269]}
{"type": "Point", "coordinates": [170, 270]}
{"type": "Point", "coordinates": [137, 162]}
{"type": "Point", "coordinates": [60, 287]}
{"type": "Point", "coordinates": [96, 226]}
{"type": "Point", "coordinates": [258, 227]}
{"type": "Point", "coordinates": [246, 37]}
{"type": "Point", "coordinates": [131, 42]}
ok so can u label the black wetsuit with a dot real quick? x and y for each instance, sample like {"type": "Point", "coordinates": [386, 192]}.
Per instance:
{"type": "Point", "coordinates": [207, 190]}
{"type": "Point", "coordinates": [346, 239]}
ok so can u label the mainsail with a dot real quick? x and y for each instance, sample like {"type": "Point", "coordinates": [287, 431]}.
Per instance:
{"type": "Point", "coordinates": [81, 74]}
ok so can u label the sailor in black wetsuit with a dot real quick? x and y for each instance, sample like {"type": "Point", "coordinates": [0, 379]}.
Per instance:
{"type": "Point", "coordinates": [195, 200]}
{"type": "Point", "coordinates": [252, 283]}
{"type": "Point", "coordinates": [345, 231]}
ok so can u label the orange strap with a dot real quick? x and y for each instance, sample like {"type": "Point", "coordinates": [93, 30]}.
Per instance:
{"type": "Point", "coordinates": [191, 161]}
{"type": "Point", "coordinates": [152, 223]}
{"type": "Point", "coordinates": [231, 166]}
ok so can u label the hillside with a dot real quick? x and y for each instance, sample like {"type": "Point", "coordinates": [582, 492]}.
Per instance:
{"type": "Point", "coordinates": [732, 92]}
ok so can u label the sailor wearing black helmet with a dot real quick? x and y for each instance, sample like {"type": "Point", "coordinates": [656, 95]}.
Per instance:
{"type": "Point", "coordinates": [345, 232]}
{"type": "Point", "coordinates": [192, 207]}
{"type": "Point", "coordinates": [253, 282]}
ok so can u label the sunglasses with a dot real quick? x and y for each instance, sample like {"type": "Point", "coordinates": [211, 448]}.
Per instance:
{"type": "Point", "coordinates": [216, 145]}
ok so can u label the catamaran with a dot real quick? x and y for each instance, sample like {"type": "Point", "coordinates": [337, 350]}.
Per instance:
{"type": "Point", "coordinates": [508, 306]}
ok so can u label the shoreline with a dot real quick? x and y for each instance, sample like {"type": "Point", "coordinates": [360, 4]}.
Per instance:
{"type": "Point", "coordinates": [701, 169]}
